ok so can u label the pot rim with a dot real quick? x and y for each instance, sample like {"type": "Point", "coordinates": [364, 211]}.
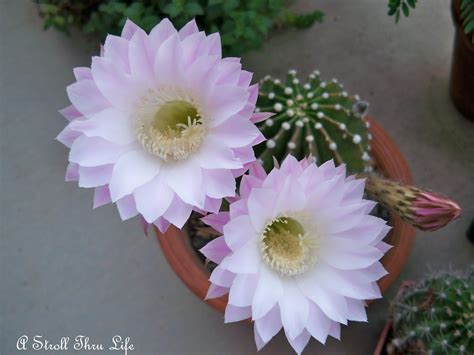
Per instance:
{"type": "Point", "coordinates": [185, 262]}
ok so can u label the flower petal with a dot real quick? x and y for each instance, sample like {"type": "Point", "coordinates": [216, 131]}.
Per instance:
{"type": "Point", "coordinates": [153, 198]}
{"type": "Point", "coordinates": [245, 260]}
{"type": "Point", "coordinates": [216, 250]}
{"type": "Point", "coordinates": [268, 292]}
{"type": "Point", "coordinates": [95, 176]}
{"type": "Point", "coordinates": [131, 171]}
{"type": "Point", "coordinates": [294, 309]}
{"type": "Point", "coordinates": [270, 324]}
{"type": "Point", "coordinates": [318, 323]}
{"type": "Point", "coordinates": [235, 314]}
{"type": "Point", "coordinates": [95, 151]}
{"type": "Point", "coordinates": [242, 290]}
{"type": "Point", "coordinates": [238, 231]}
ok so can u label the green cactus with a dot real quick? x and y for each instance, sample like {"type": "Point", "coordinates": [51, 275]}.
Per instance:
{"type": "Point", "coordinates": [435, 316]}
{"type": "Point", "coordinates": [317, 119]}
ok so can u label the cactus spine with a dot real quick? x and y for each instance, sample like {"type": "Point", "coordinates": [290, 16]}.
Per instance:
{"type": "Point", "coordinates": [317, 119]}
{"type": "Point", "coordinates": [435, 316]}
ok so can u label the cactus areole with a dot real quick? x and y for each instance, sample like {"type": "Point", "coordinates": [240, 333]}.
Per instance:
{"type": "Point", "coordinates": [316, 119]}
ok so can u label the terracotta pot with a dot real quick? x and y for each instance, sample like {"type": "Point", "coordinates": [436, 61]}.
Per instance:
{"type": "Point", "coordinates": [186, 264]}
{"type": "Point", "coordinates": [387, 329]}
{"type": "Point", "coordinates": [380, 348]}
{"type": "Point", "coordinates": [462, 67]}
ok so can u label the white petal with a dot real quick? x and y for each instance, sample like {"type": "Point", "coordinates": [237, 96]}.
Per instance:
{"type": "Point", "coordinates": [335, 330]}
{"type": "Point", "coordinates": [214, 154]}
{"type": "Point", "coordinates": [95, 151]}
{"type": "Point", "coordinates": [168, 67]}
{"type": "Point", "coordinates": [270, 324]}
{"type": "Point", "coordinates": [235, 314]}
{"type": "Point", "coordinates": [185, 178]}
{"type": "Point", "coordinates": [101, 196]}
{"type": "Point", "coordinates": [318, 323]}
{"type": "Point", "coordinates": [95, 176]}
{"type": "Point", "coordinates": [300, 342]}
{"type": "Point", "coordinates": [120, 88]}
{"type": "Point", "coordinates": [188, 29]}
{"type": "Point", "coordinates": [258, 202]}
{"type": "Point", "coordinates": [162, 31]}
{"type": "Point", "coordinates": [224, 278]}
{"type": "Point", "coordinates": [225, 101]}
{"type": "Point", "coordinates": [238, 231]}
{"type": "Point", "coordinates": [268, 292]}
{"type": "Point", "coordinates": [258, 339]}
{"type": "Point", "coordinates": [356, 310]}
{"type": "Point", "coordinates": [218, 183]}
{"type": "Point", "coordinates": [245, 260]}
{"type": "Point", "coordinates": [291, 198]}
{"type": "Point", "coordinates": [110, 124]}
{"type": "Point", "coordinates": [131, 171]}
{"type": "Point", "coordinates": [344, 283]}
{"type": "Point", "coordinates": [294, 309]}
{"type": "Point", "coordinates": [126, 207]}
{"type": "Point", "coordinates": [153, 198]}
{"type": "Point", "coordinates": [178, 213]}
{"type": "Point", "coordinates": [242, 290]}
{"type": "Point", "coordinates": [331, 303]}
{"type": "Point", "coordinates": [141, 63]}
{"type": "Point", "coordinates": [216, 291]}
{"type": "Point", "coordinates": [347, 259]}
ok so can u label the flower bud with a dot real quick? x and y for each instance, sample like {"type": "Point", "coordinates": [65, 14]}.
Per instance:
{"type": "Point", "coordinates": [423, 209]}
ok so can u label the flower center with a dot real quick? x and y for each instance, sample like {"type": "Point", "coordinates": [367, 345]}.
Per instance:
{"type": "Point", "coordinates": [169, 127]}
{"type": "Point", "coordinates": [287, 248]}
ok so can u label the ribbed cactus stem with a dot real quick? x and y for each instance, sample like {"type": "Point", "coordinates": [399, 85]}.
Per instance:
{"type": "Point", "coordinates": [322, 121]}
{"type": "Point", "coordinates": [435, 316]}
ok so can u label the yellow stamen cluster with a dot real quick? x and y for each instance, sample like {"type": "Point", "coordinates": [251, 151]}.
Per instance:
{"type": "Point", "coordinates": [287, 248]}
{"type": "Point", "coordinates": [169, 128]}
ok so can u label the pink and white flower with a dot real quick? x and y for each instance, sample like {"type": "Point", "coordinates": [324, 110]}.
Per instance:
{"type": "Point", "coordinates": [299, 251]}
{"type": "Point", "coordinates": [160, 123]}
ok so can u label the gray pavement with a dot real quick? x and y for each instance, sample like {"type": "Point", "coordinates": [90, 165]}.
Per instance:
{"type": "Point", "coordinates": [68, 270]}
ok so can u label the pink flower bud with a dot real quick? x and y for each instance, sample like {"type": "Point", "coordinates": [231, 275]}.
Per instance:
{"type": "Point", "coordinates": [432, 211]}
{"type": "Point", "coordinates": [423, 209]}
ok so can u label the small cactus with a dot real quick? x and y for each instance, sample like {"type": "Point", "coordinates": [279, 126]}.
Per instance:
{"type": "Point", "coordinates": [317, 119]}
{"type": "Point", "coordinates": [435, 316]}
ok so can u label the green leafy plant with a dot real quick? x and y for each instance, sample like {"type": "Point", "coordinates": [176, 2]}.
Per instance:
{"type": "Point", "coordinates": [243, 25]}
{"type": "Point", "coordinates": [467, 17]}
{"type": "Point", "coordinates": [397, 7]}
{"type": "Point", "coordinates": [318, 119]}
{"type": "Point", "coordinates": [435, 316]}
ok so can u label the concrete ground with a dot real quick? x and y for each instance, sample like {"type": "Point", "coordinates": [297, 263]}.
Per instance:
{"type": "Point", "coordinates": [68, 270]}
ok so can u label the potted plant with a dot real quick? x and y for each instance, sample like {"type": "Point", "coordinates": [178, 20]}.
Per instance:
{"type": "Point", "coordinates": [462, 76]}
{"type": "Point", "coordinates": [288, 132]}
{"type": "Point", "coordinates": [162, 125]}
{"type": "Point", "coordinates": [433, 316]}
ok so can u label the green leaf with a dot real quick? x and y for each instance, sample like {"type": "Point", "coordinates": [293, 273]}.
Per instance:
{"type": "Point", "coordinates": [194, 9]}
{"type": "Point", "coordinates": [405, 9]}
{"type": "Point", "coordinates": [391, 11]}
{"type": "Point", "coordinates": [469, 27]}
{"type": "Point", "coordinates": [214, 2]}
{"type": "Point", "coordinates": [397, 16]}
{"type": "Point", "coordinates": [465, 3]}
{"type": "Point", "coordinates": [412, 3]}
{"type": "Point", "coordinates": [172, 9]}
